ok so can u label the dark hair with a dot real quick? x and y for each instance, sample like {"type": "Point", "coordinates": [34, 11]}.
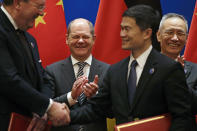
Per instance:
{"type": "Point", "coordinates": [145, 17]}
{"type": "Point", "coordinates": [10, 2]}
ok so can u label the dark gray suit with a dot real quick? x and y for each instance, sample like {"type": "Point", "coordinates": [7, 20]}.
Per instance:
{"type": "Point", "coordinates": [62, 76]}
{"type": "Point", "coordinates": [191, 77]}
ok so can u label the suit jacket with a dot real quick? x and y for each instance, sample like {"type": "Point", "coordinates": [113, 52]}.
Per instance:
{"type": "Point", "coordinates": [191, 77]}
{"type": "Point", "coordinates": [161, 88]}
{"type": "Point", "coordinates": [17, 93]}
{"type": "Point", "coordinates": [62, 76]}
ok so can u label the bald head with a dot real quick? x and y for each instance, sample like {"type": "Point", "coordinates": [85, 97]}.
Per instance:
{"type": "Point", "coordinates": [80, 21]}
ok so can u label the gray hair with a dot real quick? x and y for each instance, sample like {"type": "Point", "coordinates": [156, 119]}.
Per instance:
{"type": "Point", "coordinates": [173, 15]}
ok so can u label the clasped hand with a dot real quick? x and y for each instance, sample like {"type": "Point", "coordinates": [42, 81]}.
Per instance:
{"type": "Point", "coordinates": [82, 85]}
{"type": "Point", "coordinates": [58, 114]}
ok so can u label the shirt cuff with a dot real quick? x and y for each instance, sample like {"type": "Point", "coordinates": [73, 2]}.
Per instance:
{"type": "Point", "coordinates": [71, 101]}
{"type": "Point", "coordinates": [50, 104]}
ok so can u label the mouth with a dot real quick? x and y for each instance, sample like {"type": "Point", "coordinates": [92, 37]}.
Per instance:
{"type": "Point", "coordinates": [174, 45]}
{"type": "Point", "coordinates": [125, 40]}
{"type": "Point", "coordinates": [80, 47]}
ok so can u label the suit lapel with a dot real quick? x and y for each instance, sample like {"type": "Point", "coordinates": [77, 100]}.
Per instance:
{"type": "Point", "coordinates": [121, 82]}
{"type": "Point", "coordinates": [94, 70]}
{"type": "Point", "coordinates": [68, 72]}
{"type": "Point", "coordinates": [187, 69]}
{"type": "Point", "coordinates": [146, 76]}
{"type": "Point", "coordinates": [15, 45]}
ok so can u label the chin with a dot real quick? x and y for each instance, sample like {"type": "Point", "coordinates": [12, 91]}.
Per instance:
{"type": "Point", "coordinates": [125, 48]}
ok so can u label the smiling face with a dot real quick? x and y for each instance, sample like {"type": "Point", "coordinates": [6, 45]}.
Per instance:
{"type": "Point", "coordinates": [133, 38]}
{"type": "Point", "coordinates": [80, 40]}
{"type": "Point", "coordinates": [172, 36]}
{"type": "Point", "coordinates": [27, 12]}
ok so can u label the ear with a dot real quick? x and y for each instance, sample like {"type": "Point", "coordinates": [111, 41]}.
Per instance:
{"type": "Point", "coordinates": [67, 39]}
{"type": "Point", "coordinates": [94, 37]}
{"type": "Point", "coordinates": [17, 4]}
{"type": "Point", "coordinates": [158, 36]}
{"type": "Point", "coordinates": [147, 33]}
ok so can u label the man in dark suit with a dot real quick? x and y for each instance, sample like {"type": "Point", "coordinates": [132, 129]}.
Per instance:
{"type": "Point", "coordinates": [22, 86]}
{"type": "Point", "coordinates": [80, 39]}
{"type": "Point", "coordinates": [159, 86]}
{"type": "Point", "coordinates": [172, 35]}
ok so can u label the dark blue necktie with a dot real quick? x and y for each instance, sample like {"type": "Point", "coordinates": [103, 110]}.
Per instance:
{"type": "Point", "coordinates": [132, 81]}
{"type": "Point", "coordinates": [80, 72]}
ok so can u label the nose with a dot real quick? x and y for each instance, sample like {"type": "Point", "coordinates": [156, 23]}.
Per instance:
{"type": "Point", "coordinates": [122, 33]}
{"type": "Point", "coordinates": [80, 40]}
{"type": "Point", "coordinates": [174, 37]}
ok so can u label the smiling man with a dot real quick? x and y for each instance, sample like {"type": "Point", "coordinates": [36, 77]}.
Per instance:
{"type": "Point", "coordinates": [80, 39]}
{"type": "Point", "coordinates": [172, 35]}
{"type": "Point", "coordinates": [23, 88]}
{"type": "Point", "coordinates": [143, 85]}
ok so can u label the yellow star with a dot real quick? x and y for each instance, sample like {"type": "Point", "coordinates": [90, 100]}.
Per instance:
{"type": "Point", "coordinates": [40, 20]}
{"type": "Point", "coordinates": [60, 3]}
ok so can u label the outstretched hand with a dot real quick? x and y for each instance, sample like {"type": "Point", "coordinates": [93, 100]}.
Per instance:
{"type": "Point", "coordinates": [37, 123]}
{"type": "Point", "coordinates": [181, 60]}
{"type": "Point", "coordinates": [59, 114]}
{"type": "Point", "coordinates": [91, 88]}
{"type": "Point", "coordinates": [78, 86]}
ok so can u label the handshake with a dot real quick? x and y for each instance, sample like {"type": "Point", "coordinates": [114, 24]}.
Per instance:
{"type": "Point", "coordinates": [59, 113]}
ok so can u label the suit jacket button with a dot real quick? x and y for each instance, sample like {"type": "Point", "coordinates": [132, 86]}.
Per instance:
{"type": "Point", "coordinates": [81, 128]}
{"type": "Point", "coordinates": [135, 119]}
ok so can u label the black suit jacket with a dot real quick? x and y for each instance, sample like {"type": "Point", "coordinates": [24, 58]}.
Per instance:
{"type": "Point", "coordinates": [62, 77]}
{"type": "Point", "coordinates": [191, 77]}
{"type": "Point", "coordinates": [161, 88]}
{"type": "Point", "coordinates": [16, 91]}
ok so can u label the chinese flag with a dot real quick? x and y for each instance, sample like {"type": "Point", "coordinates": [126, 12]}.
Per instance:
{"type": "Point", "coordinates": [50, 33]}
{"type": "Point", "coordinates": [107, 46]}
{"type": "Point", "coordinates": [191, 46]}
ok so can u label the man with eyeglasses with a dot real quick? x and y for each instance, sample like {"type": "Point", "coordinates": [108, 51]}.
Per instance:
{"type": "Point", "coordinates": [62, 74]}
{"type": "Point", "coordinates": [172, 35]}
{"type": "Point", "coordinates": [23, 87]}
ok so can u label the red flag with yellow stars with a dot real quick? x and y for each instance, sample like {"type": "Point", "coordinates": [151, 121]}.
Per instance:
{"type": "Point", "coordinates": [107, 28]}
{"type": "Point", "coordinates": [50, 33]}
{"type": "Point", "coordinates": [191, 46]}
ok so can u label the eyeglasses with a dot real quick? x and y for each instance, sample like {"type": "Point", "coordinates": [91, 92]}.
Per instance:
{"type": "Point", "coordinates": [38, 6]}
{"type": "Point", "coordinates": [78, 37]}
{"type": "Point", "coordinates": [179, 34]}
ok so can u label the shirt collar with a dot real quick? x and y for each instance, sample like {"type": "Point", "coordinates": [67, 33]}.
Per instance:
{"type": "Point", "coordinates": [9, 17]}
{"type": "Point", "coordinates": [88, 60]}
{"type": "Point", "coordinates": [141, 60]}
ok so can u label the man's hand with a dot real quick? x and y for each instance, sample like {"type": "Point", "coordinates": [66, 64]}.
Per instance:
{"type": "Point", "coordinates": [77, 88]}
{"type": "Point", "coordinates": [91, 88]}
{"type": "Point", "coordinates": [59, 114]}
{"type": "Point", "coordinates": [37, 123]}
{"type": "Point", "coordinates": [181, 60]}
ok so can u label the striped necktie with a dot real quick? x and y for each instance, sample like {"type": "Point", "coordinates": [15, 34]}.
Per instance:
{"type": "Point", "coordinates": [80, 72]}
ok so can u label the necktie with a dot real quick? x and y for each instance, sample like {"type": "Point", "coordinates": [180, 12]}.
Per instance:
{"type": "Point", "coordinates": [80, 72]}
{"type": "Point", "coordinates": [132, 81]}
{"type": "Point", "coordinates": [27, 50]}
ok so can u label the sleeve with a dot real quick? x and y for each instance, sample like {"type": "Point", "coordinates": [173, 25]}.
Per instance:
{"type": "Point", "coordinates": [178, 99]}
{"type": "Point", "coordinates": [97, 108]}
{"type": "Point", "coordinates": [13, 84]}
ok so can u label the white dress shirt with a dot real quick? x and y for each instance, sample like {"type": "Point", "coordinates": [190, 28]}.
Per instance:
{"type": "Point", "coordinates": [141, 60]}
{"type": "Point", "coordinates": [86, 71]}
